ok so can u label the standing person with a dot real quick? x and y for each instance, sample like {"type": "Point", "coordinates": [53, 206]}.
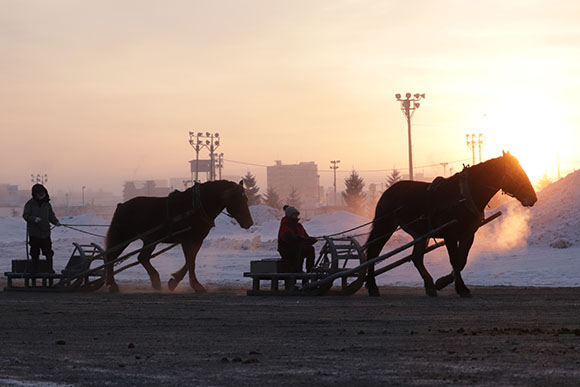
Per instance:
{"type": "Point", "coordinates": [294, 243]}
{"type": "Point", "coordinates": [38, 214]}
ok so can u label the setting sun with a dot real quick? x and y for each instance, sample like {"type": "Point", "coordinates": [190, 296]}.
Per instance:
{"type": "Point", "coordinates": [530, 128]}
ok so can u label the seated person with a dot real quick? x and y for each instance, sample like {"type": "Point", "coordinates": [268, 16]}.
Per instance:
{"type": "Point", "coordinates": [294, 244]}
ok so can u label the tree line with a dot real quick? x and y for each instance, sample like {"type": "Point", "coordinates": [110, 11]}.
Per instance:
{"type": "Point", "coordinates": [353, 195]}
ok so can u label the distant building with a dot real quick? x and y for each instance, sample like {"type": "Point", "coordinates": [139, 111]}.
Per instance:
{"type": "Point", "coordinates": [302, 178]}
{"type": "Point", "coordinates": [136, 188]}
{"type": "Point", "coordinates": [9, 195]}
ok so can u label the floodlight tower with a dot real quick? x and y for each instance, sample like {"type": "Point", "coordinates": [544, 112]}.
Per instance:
{"type": "Point", "coordinates": [334, 167]}
{"type": "Point", "coordinates": [196, 140]}
{"type": "Point", "coordinates": [39, 178]}
{"type": "Point", "coordinates": [472, 140]}
{"type": "Point", "coordinates": [408, 106]}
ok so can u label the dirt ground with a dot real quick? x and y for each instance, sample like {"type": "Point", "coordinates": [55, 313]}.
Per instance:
{"type": "Point", "coordinates": [502, 336]}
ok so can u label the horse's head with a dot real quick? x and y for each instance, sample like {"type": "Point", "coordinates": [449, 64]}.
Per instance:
{"type": "Point", "coordinates": [516, 183]}
{"type": "Point", "coordinates": [236, 203]}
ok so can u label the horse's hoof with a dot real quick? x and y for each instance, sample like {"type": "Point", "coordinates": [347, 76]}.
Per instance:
{"type": "Point", "coordinates": [442, 283]}
{"type": "Point", "coordinates": [156, 284]}
{"type": "Point", "coordinates": [199, 289]}
{"type": "Point", "coordinates": [172, 284]}
{"type": "Point", "coordinates": [114, 288]}
{"type": "Point", "coordinates": [374, 292]}
{"type": "Point", "coordinates": [431, 292]}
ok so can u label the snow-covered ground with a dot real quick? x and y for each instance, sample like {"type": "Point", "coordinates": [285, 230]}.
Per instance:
{"type": "Point", "coordinates": [525, 247]}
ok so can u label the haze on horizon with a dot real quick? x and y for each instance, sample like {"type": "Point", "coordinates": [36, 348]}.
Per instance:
{"type": "Point", "coordinates": [95, 93]}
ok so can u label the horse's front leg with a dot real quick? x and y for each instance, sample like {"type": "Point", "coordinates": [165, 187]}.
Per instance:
{"type": "Point", "coordinates": [418, 258]}
{"type": "Point", "coordinates": [459, 264]}
{"type": "Point", "coordinates": [190, 250]}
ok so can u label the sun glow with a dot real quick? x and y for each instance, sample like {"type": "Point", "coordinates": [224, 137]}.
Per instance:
{"type": "Point", "coordinates": [531, 130]}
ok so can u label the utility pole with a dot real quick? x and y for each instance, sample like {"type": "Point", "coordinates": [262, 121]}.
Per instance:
{"type": "Point", "coordinates": [220, 163]}
{"type": "Point", "coordinates": [408, 106]}
{"type": "Point", "coordinates": [196, 140]}
{"type": "Point", "coordinates": [473, 140]}
{"type": "Point", "coordinates": [444, 165]}
{"type": "Point", "coordinates": [334, 167]}
{"type": "Point", "coordinates": [83, 190]}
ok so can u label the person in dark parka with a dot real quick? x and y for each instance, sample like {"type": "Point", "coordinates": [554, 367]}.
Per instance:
{"type": "Point", "coordinates": [38, 214]}
{"type": "Point", "coordinates": [294, 243]}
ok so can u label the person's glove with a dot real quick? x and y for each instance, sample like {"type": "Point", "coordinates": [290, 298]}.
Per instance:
{"type": "Point", "coordinates": [37, 220]}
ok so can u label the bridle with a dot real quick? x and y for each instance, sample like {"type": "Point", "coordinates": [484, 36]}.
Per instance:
{"type": "Point", "coordinates": [509, 176]}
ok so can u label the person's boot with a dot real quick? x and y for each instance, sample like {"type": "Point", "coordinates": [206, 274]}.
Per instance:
{"type": "Point", "coordinates": [33, 266]}
{"type": "Point", "coordinates": [49, 262]}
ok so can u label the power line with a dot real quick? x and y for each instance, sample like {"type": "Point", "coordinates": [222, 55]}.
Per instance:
{"type": "Point", "coordinates": [345, 171]}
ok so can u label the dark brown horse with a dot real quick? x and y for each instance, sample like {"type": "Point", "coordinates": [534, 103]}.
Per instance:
{"type": "Point", "coordinates": [182, 217]}
{"type": "Point", "coordinates": [419, 207]}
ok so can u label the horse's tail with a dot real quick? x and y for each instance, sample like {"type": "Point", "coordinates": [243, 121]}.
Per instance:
{"type": "Point", "coordinates": [383, 226]}
{"type": "Point", "coordinates": [113, 228]}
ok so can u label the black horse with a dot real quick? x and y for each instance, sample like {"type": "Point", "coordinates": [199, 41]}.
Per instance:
{"type": "Point", "coordinates": [182, 217]}
{"type": "Point", "coordinates": [419, 207]}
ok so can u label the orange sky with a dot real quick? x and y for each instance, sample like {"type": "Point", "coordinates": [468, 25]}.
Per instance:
{"type": "Point", "coordinates": [95, 93]}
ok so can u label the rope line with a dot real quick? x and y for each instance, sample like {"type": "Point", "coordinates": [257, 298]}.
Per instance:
{"type": "Point", "coordinates": [85, 225]}
{"type": "Point", "coordinates": [82, 231]}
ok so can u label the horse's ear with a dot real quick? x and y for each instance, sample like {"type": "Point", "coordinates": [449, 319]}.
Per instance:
{"type": "Point", "coordinates": [503, 152]}
{"type": "Point", "coordinates": [242, 182]}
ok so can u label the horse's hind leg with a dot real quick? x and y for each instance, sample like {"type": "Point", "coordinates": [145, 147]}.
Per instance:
{"type": "Point", "coordinates": [176, 278]}
{"type": "Point", "coordinates": [379, 236]}
{"type": "Point", "coordinates": [144, 258]}
{"type": "Point", "coordinates": [110, 270]}
{"type": "Point", "coordinates": [418, 258]}
{"type": "Point", "coordinates": [442, 282]}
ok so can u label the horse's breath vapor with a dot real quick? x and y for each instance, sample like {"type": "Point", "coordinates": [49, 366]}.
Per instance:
{"type": "Point", "coordinates": [510, 232]}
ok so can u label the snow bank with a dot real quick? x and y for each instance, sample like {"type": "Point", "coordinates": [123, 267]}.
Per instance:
{"type": "Point", "coordinates": [555, 219]}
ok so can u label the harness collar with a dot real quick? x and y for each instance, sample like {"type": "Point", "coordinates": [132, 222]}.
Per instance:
{"type": "Point", "coordinates": [198, 205]}
{"type": "Point", "coordinates": [466, 193]}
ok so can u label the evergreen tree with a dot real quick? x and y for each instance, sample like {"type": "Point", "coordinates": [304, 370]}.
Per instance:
{"type": "Point", "coordinates": [543, 182]}
{"type": "Point", "coordinates": [272, 199]}
{"type": "Point", "coordinates": [251, 189]}
{"type": "Point", "coordinates": [293, 198]}
{"type": "Point", "coordinates": [394, 177]}
{"type": "Point", "coordinates": [354, 196]}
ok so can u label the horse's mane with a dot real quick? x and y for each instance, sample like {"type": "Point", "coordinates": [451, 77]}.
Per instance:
{"type": "Point", "coordinates": [492, 164]}
{"type": "Point", "coordinates": [217, 185]}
